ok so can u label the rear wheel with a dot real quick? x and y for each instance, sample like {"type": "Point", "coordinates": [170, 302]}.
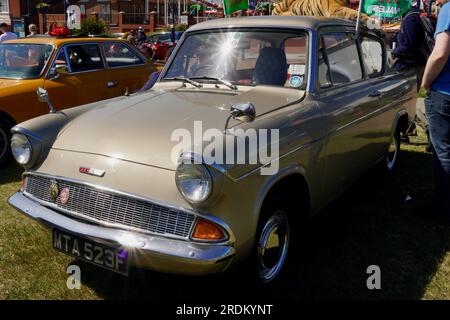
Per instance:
{"type": "Point", "coordinates": [5, 138]}
{"type": "Point", "coordinates": [393, 152]}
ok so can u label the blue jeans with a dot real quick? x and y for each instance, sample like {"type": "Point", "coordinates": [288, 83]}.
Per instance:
{"type": "Point", "coordinates": [437, 106]}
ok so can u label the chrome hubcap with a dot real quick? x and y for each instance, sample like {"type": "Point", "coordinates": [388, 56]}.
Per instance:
{"type": "Point", "coordinates": [273, 246]}
{"type": "Point", "coordinates": [392, 153]}
{"type": "Point", "coordinates": [3, 143]}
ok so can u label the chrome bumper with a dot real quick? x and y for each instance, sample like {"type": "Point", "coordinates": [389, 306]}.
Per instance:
{"type": "Point", "coordinates": [145, 251]}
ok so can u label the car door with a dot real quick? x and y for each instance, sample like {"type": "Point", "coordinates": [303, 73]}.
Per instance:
{"type": "Point", "coordinates": [127, 69]}
{"type": "Point", "coordinates": [81, 84]}
{"type": "Point", "coordinates": [392, 88]}
{"type": "Point", "coordinates": [346, 99]}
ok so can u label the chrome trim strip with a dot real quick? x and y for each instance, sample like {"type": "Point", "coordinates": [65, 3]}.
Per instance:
{"type": "Point", "coordinates": [298, 148]}
{"type": "Point", "coordinates": [369, 115]}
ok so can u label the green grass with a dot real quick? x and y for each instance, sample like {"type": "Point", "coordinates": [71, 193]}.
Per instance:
{"type": "Point", "coordinates": [369, 224]}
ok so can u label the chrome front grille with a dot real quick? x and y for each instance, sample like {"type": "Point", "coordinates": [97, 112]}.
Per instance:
{"type": "Point", "coordinates": [112, 208]}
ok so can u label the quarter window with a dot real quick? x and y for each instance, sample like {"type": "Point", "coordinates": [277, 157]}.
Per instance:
{"type": "Point", "coordinates": [84, 57]}
{"type": "Point", "coordinates": [119, 55]}
{"type": "Point", "coordinates": [372, 52]}
{"type": "Point", "coordinates": [339, 60]}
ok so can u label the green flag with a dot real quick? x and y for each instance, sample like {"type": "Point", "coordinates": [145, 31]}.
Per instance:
{"type": "Point", "coordinates": [231, 6]}
{"type": "Point", "coordinates": [386, 8]}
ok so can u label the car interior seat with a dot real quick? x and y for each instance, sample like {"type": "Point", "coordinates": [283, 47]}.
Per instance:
{"type": "Point", "coordinates": [271, 67]}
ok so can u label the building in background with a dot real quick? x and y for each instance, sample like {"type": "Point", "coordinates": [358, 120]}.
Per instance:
{"type": "Point", "coordinates": [4, 12]}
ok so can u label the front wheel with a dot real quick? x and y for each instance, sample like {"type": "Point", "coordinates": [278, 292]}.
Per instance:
{"type": "Point", "coordinates": [5, 138]}
{"type": "Point", "coordinates": [393, 152]}
{"type": "Point", "coordinates": [272, 245]}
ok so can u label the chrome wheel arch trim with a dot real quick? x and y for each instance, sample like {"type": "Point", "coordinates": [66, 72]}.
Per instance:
{"type": "Point", "coordinates": [278, 220]}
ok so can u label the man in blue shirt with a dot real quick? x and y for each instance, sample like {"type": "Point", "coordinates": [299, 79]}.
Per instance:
{"type": "Point", "coordinates": [436, 81]}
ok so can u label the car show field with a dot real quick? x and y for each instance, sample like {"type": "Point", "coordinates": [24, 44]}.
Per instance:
{"type": "Point", "coordinates": [224, 157]}
{"type": "Point", "coordinates": [374, 226]}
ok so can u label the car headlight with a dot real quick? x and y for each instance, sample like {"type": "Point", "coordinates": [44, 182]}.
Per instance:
{"type": "Point", "coordinates": [21, 148]}
{"type": "Point", "coordinates": [194, 182]}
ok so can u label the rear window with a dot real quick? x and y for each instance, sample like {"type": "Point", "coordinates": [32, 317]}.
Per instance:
{"type": "Point", "coordinates": [120, 55]}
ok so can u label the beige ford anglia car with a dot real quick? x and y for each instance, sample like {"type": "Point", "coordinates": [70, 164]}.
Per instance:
{"type": "Point", "coordinates": [132, 181]}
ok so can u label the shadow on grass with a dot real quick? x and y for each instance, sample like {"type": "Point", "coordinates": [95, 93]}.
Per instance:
{"type": "Point", "coordinates": [10, 172]}
{"type": "Point", "coordinates": [370, 224]}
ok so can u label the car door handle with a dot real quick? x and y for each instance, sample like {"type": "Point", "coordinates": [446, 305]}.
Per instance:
{"type": "Point", "coordinates": [375, 94]}
{"type": "Point", "coordinates": [111, 84]}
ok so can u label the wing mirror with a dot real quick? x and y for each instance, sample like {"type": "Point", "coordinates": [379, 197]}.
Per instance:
{"type": "Point", "coordinates": [43, 97]}
{"type": "Point", "coordinates": [244, 112]}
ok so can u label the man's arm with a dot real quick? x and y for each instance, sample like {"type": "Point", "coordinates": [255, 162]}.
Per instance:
{"type": "Point", "coordinates": [437, 60]}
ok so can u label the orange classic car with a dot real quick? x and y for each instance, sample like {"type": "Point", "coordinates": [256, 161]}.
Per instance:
{"type": "Point", "coordinates": [74, 71]}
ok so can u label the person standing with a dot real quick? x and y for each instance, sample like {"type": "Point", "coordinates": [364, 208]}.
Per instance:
{"type": "Point", "coordinates": [132, 38]}
{"type": "Point", "coordinates": [6, 34]}
{"type": "Point", "coordinates": [33, 30]}
{"type": "Point", "coordinates": [436, 82]}
{"type": "Point", "coordinates": [141, 35]}
{"type": "Point", "coordinates": [407, 51]}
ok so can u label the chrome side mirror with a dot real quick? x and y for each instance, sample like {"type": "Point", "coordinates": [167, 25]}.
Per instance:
{"type": "Point", "coordinates": [43, 97]}
{"type": "Point", "coordinates": [244, 112]}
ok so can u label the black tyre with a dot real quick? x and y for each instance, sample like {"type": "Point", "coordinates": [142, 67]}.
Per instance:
{"type": "Point", "coordinates": [392, 156]}
{"type": "Point", "coordinates": [5, 138]}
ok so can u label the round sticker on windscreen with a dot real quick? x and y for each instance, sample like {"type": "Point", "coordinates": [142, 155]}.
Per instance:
{"type": "Point", "coordinates": [296, 81]}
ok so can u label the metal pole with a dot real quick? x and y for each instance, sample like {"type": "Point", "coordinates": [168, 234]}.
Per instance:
{"type": "Point", "coordinates": [172, 31]}
{"type": "Point", "coordinates": [359, 17]}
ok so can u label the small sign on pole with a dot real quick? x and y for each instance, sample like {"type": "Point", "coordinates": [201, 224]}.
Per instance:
{"type": "Point", "coordinates": [184, 19]}
{"type": "Point", "coordinates": [73, 17]}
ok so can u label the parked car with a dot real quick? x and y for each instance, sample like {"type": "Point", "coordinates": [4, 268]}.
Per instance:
{"type": "Point", "coordinates": [74, 71]}
{"type": "Point", "coordinates": [159, 46]}
{"type": "Point", "coordinates": [102, 176]}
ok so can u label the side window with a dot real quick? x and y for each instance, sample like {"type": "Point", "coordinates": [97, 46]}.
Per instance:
{"type": "Point", "coordinates": [84, 57]}
{"type": "Point", "coordinates": [339, 60]}
{"type": "Point", "coordinates": [295, 49]}
{"type": "Point", "coordinates": [372, 53]}
{"type": "Point", "coordinates": [119, 55]}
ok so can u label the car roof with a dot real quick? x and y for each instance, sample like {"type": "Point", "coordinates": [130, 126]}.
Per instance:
{"type": "Point", "coordinates": [60, 40]}
{"type": "Point", "coordinates": [306, 22]}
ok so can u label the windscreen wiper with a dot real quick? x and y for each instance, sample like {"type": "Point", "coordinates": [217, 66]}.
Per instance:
{"type": "Point", "coordinates": [188, 80]}
{"type": "Point", "coordinates": [222, 81]}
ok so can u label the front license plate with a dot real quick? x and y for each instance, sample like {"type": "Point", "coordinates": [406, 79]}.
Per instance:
{"type": "Point", "coordinates": [112, 258]}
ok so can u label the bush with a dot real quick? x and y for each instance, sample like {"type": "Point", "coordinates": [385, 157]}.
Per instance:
{"type": "Point", "coordinates": [93, 27]}
{"type": "Point", "coordinates": [178, 27]}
